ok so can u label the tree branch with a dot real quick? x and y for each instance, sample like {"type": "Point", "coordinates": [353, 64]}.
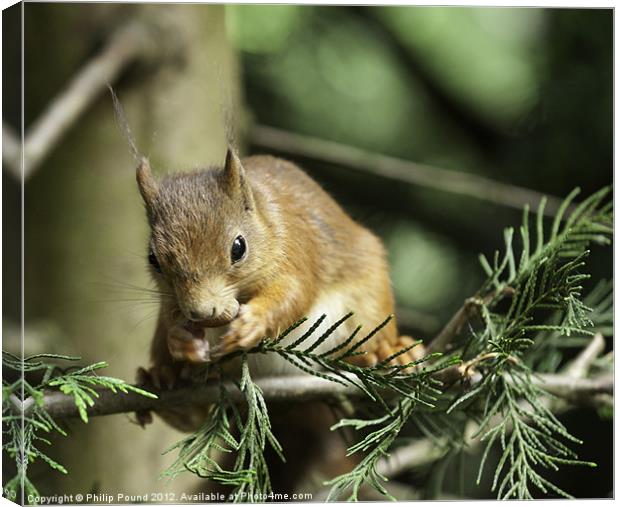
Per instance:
{"type": "Point", "coordinates": [581, 364]}
{"type": "Point", "coordinates": [574, 389]}
{"type": "Point", "coordinates": [127, 44]}
{"type": "Point", "coordinates": [418, 453]}
{"type": "Point", "coordinates": [297, 389]}
{"type": "Point", "coordinates": [571, 386]}
{"type": "Point", "coordinates": [454, 326]}
{"type": "Point", "coordinates": [400, 170]}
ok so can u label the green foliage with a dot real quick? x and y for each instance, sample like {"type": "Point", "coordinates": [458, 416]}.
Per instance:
{"type": "Point", "coordinates": [546, 309]}
{"type": "Point", "coordinates": [81, 385]}
{"type": "Point", "coordinates": [534, 441]}
{"type": "Point", "coordinates": [250, 475]}
{"type": "Point", "coordinates": [378, 441]}
{"type": "Point", "coordinates": [25, 420]}
{"type": "Point", "coordinates": [528, 308]}
{"type": "Point", "coordinates": [527, 314]}
{"type": "Point", "coordinates": [379, 383]}
{"type": "Point", "coordinates": [255, 433]}
{"type": "Point", "coordinates": [194, 451]}
{"type": "Point", "coordinates": [548, 351]}
{"type": "Point", "coordinates": [547, 276]}
{"type": "Point", "coordinates": [376, 382]}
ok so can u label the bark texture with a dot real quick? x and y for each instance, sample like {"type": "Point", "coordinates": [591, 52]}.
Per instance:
{"type": "Point", "coordinates": [86, 233]}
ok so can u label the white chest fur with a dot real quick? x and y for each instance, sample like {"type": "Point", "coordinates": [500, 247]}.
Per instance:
{"type": "Point", "coordinates": [265, 365]}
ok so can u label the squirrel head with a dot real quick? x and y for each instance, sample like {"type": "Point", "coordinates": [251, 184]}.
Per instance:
{"type": "Point", "coordinates": [208, 241]}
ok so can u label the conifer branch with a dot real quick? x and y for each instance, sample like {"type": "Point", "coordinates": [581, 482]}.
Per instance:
{"type": "Point", "coordinates": [580, 366]}
{"type": "Point", "coordinates": [503, 391]}
{"type": "Point", "coordinates": [455, 325]}
{"type": "Point", "coordinates": [507, 379]}
{"type": "Point", "coordinates": [26, 423]}
{"type": "Point", "coordinates": [294, 389]}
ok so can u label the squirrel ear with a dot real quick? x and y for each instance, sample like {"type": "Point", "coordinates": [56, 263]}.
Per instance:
{"type": "Point", "coordinates": [146, 183]}
{"type": "Point", "coordinates": [235, 180]}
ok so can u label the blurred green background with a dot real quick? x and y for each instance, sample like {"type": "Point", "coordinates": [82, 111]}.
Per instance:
{"type": "Point", "coordinates": [520, 96]}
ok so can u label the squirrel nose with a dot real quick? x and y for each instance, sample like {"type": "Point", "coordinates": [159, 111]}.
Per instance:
{"type": "Point", "coordinates": [198, 315]}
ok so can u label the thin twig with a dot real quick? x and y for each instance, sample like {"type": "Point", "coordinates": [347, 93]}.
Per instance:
{"type": "Point", "coordinates": [454, 326]}
{"type": "Point", "coordinates": [581, 364]}
{"type": "Point", "coordinates": [571, 386]}
{"type": "Point", "coordinates": [418, 453]}
{"type": "Point", "coordinates": [127, 44]}
{"type": "Point", "coordinates": [296, 389]}
{"type": "Point", "coordinates": [393, 168]}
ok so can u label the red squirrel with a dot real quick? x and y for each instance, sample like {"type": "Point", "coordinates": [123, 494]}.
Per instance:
{"type": "Point", "coordinates": [242, 251]}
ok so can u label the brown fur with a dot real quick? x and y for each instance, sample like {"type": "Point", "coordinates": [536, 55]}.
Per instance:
{"type": "Point", "coordinates": [301, 246]}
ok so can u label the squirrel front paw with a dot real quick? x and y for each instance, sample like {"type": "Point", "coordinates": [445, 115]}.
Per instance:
{"type": "Point", "coordinates": [187, 343]}
{"type": "Point", "coordinates": [246, 331]}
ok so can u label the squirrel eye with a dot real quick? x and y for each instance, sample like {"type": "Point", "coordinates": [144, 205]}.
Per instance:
{"type": "Point", "coordinates": [154, 262]}
{"type": "Point", "coordinates": [238, 249]}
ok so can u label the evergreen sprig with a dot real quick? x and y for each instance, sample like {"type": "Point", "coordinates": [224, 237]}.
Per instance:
{"type": "Point", "coordinates": [81, 385]}
{"type": "Point", "coordinates": [383, 432]}
{"type": "Point", "coordinates": [380, 383]}
{"type": "Point", "coordinates": [255, 433]}
{"type": "Point", "coordinates": [377, 382]}
{"type": "Point", "coordinates": [25, 420]}
{"type": "Point", "coordinates": [530, 437]}
{"type": "Point", "coordinates": [550, 347]}
{"type": "Point", "coordinates": [546, 312]}
{"type": "Point", "coordinates": [544, 279]}
{"type": "Point", "coordinates": [198, 452]}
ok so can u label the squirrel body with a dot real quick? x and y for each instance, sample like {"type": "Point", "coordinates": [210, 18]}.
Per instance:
{"type": "Point", "coordinates": [241, 252]}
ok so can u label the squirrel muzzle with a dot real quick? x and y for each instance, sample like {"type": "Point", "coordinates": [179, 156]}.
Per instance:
{"type": "Point", "coordinates": [207, 310]}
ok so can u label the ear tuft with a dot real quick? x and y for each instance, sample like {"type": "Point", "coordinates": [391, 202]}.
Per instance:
{"type": "Point", "coordinates": [235, 181]}
{"type": "Point", "coordinates": [146, 182]}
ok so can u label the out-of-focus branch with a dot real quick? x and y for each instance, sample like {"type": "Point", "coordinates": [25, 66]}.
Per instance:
{"type": "Point", "coordinates": [573, 388]}
{"type": "Point", "coordinates": [417, 453]}
{"type": "Point", "coordinates": [400, 170]}
{"type": "Point", "coordinates": [127, 44]}
{"type": "Point", "coordinates": [581, 364]}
